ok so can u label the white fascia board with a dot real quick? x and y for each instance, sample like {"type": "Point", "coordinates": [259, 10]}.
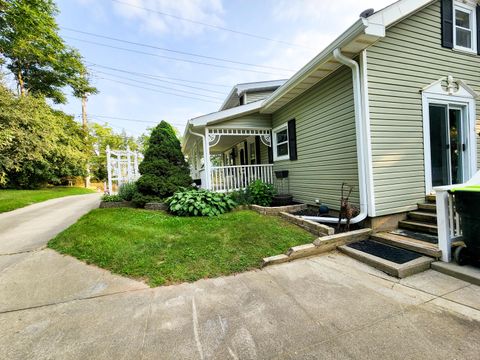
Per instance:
{"type": "Point", "coordinates": [397, 11]}
{"type": "Point", "coordinates": [358, 28]}
{"type": "Point", "coordinates": [239, 89]}
{"type": "Point", "coordinates": [228, 98]}
{"type": "Point", "coordinates": [259, 86]}
{"type": "Point", "coordinates": [224, 115]}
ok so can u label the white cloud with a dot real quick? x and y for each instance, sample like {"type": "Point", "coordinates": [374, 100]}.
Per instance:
{"type": "Point", "coordinates": [206, 11]}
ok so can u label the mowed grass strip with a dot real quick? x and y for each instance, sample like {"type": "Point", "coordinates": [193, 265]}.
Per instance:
{"type": "Point", "coordinates": [14, 199]}
{"type": "Point", "coordinates": [162, 249]}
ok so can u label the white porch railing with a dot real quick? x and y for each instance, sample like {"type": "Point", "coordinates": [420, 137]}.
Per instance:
{"type": "Point", "coordinates": [233, 178]}
{"type": "Point", "coordinates": [448, 220]}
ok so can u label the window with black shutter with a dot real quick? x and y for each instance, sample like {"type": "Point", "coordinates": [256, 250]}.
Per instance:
{"type": "Point", "coordinates": [460, 26]}
{"type": "Point", "coordinates": [285, 142]}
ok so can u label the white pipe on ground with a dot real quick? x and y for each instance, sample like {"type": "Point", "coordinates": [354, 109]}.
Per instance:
{"type": "Point", "coordinates": [361, 142]}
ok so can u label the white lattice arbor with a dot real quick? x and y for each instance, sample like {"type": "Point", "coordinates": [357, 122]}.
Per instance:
{"type": "Point", "coordinates": [122, 166]}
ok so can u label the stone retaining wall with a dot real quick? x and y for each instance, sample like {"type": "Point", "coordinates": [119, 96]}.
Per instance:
{"type": "Point", "coordinates": [156, 206]}
{"type": "Point", "coordinates": [116, 204]}
{"type": "Point", "coordinates": [276, 210]}
{"type": "Point", "coordinates": [313, 227]}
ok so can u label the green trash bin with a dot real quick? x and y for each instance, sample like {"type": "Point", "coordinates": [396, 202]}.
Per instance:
{"type": "Point", "coordinates": [467, 203]}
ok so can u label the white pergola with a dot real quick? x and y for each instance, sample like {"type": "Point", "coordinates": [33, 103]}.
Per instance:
{"type": "Point", "coordinates": [122, 166]}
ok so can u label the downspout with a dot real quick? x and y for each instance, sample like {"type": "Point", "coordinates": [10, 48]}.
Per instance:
{"type": "Point", "coordinates": [361, 146]}
{"type": "Point", "coordinates": [207, 171]}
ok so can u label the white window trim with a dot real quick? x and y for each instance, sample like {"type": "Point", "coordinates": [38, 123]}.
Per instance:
{"type": "Point", "coordinates": [473, 26]}
{"type": "Point", "coordinates": [436, 95]}
{"type": "Point", "coordinates": [274, 143]}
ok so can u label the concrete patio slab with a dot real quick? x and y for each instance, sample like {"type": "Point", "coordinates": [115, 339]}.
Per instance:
{"type": "Point", "coordinates": [469, 296]}
{"type": "Point", "coordinates": [433, 282]}
{"type": "Point", "coordinates": [331, 306]}
{"type": "Point", "coordinates": [466, 273]}
{"type": "Point", "coordinates": [425, 332]}
{"type": "Point", "coordinates": [314, 308]}
{"type": "Point", "coordinates": [102, 328]}
{"type": "Point", "coordinates": [46, 277]}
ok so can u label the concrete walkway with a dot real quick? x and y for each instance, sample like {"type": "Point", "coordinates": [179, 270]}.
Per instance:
{"type": "Point", "coordinates": [326, 307]}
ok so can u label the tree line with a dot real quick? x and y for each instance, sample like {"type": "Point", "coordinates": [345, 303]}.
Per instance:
{"type": "Point", "coordinates": [38, 144]}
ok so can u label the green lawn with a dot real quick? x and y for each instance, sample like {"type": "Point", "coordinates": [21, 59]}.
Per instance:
{"type": "Point", "coordinates": [14, 199]}
{"type": "Point", "coordinates": [164, 249]}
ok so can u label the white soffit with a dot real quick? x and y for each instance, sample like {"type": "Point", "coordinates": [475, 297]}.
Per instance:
{"type": "Point", "coordinates": [362, 34]}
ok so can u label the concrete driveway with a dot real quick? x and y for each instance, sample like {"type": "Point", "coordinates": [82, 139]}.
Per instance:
{"type": "Point", "coordinates": [326, 307]}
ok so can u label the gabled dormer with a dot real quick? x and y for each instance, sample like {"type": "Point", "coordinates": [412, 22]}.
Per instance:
{"type": "Point", "coordinates": [242, 94]}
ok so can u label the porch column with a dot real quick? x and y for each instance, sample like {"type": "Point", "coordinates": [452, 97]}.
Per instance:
{"type": "Point", "coordinates": [206, 159]}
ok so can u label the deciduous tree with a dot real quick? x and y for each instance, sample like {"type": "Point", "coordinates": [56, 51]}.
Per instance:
{"type": "Point", "coordinates": [35, 53]}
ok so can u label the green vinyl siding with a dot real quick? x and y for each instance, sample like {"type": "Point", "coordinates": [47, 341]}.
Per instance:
{"type": "Point", "coordinates": [326, 141]}
{"type": "Point", "coordinates": [409, 58]}
{"type": "Point", "coordinates": [246, 121]}
{"type": "Point", "coordinates": [258, 95]}
{"type": "Point", "coordinates": [263, 153]}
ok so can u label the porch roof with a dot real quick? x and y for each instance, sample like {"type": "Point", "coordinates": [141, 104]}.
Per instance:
{"type": "Point", "coordinates": [198, 124]}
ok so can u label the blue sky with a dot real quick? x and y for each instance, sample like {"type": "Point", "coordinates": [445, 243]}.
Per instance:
{"type": "Point", "coordinates": [309, 24]}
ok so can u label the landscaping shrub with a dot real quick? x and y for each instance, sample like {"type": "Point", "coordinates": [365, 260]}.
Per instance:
{"type": "Point", "coordinates": [111, 198]}
{"type": "Point", "coordinates": [201, 202]}
{"type": "Point", "coordinates": [261, 193]}
{"type": "Point", "coordinates": [164, 169]}
{"type": "Point", "coordinates": [127, 191]}
{"type": "Point", "coordinates": [241, 197]}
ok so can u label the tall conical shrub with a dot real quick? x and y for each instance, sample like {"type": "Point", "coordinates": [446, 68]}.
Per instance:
{"type": "Point", "coordinates": [163, 169]}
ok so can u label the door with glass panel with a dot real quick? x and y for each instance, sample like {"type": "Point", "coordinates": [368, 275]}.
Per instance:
{"type": "Point", "coordinates": [447, 144]}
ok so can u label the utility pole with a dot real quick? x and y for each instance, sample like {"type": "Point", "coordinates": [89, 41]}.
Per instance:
{"type": "Point", "coordinates": [85, 129]}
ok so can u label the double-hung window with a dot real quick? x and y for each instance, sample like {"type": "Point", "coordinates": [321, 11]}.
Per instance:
{"type": "Point", "coordinates": [464, 31]}
{"type": "Point", "coordinates": [280, 143]}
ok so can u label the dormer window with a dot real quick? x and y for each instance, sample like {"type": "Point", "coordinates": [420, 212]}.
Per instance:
{"type": "Point", "coordinates": [464, 34]}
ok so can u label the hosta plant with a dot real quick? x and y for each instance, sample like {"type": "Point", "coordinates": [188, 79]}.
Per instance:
{"type": "Point", "coordinates": [193, 202]}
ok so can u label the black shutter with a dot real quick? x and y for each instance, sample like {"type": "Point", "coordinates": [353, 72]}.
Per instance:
{"type": "Point", "coordinates": [447, 23]}
{"type": "Point", "coordinates": [258, 159]}
{"type": "Point", "coordinates": [245, 146]}
{"type": "Point", "coordinates": [478, 29]}
{"type": "Point", "coordinates": [292, 140]}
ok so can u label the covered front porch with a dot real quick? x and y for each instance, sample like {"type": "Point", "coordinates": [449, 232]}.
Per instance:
{"type": "Point", "coordinates": [228, 153]}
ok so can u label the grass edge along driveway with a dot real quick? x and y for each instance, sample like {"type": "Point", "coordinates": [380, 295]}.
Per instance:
{"type": "Point", "coordinates": [162, 249]}
{"type": "Point", "coordinates": [14, 199]}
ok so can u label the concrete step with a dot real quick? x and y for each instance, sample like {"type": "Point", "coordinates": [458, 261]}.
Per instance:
{"type": "Point", "coordinates": [466, 273]}
{"type": "Point", "coordinates": [418, 226]}
{"type": "Point", "coordinates": [427, 207]}
{"type": "Point", "coordinates": [430, 198]}
{"type": "Point", "coordinates": [421, 247]}
{"type": "Point", "coordinates": [408, 268]}
{"type": "Point", "coordinates": [423, 216]}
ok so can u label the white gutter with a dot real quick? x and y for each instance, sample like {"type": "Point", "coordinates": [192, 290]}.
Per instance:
{"type": "Point", "coordinates": [361, 146]}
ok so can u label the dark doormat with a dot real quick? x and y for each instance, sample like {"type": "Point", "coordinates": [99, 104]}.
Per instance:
{"type": "Point", "coordinates": [432, 239]}
{"type": "Point", "coordinates": [387, 252]}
